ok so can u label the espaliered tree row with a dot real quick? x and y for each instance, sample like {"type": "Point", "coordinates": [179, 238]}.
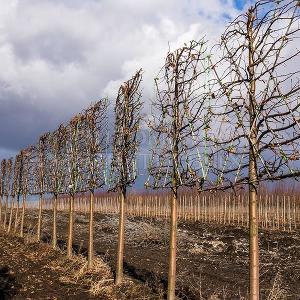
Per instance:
{"type": "Point", "coordinates": [73, 159]}
{"type": "Point", "coordinates": [223, 118]}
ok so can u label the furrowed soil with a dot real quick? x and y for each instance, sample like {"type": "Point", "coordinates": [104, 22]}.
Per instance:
{"type": "Point", "coordinates": [212, 260]}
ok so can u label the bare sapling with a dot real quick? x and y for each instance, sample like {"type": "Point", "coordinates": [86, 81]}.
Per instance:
{"type": "Point", "coordinates": [125, 144]}
{"type": "Point", "coordinates": [27, 154]}
{"type": "Point", "coordinates": [41, 161]}
{"type": "Point", "coordinates": [7, 188]}
{"type": "Point", "coordinates": [56, 168]}
{"type": "Point", "coordinates": [2, 186]}
{"type": "Point", "coordinates": [73, 171]}
{"type": "Point", "coordinates": [178, 126]}
{"type": "Point", "coordinates": [257, 106]}
{"type": "Point", "coordinates": [95, 129]}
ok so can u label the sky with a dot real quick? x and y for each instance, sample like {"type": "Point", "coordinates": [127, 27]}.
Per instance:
{"type": "Point", "coordinates": [58, 56]}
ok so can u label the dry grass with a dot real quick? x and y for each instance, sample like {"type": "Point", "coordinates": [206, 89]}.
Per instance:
{"type": "Point", "coordinates": [277, 291]}
{"type": "Point", "coordinates": [99, 280]}
{"type": "Point", "coordinates": [145, 233]}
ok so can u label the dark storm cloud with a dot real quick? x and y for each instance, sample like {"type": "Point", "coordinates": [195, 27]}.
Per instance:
{"type": "Point", "coordinates": [21, 122]}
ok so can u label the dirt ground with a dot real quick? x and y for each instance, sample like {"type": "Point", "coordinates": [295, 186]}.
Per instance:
{"type": "Point", "coordinates": [30, 270]}
{"type": "Point", "coordinates": [212, 259]}
{"type": "Point", "coordinates": [24, 273]}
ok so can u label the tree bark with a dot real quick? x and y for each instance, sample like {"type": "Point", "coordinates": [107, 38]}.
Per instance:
{"type": "Point", "coordinates": [70, 231]}
{"type": "Point", "coordinates": [39, 225]}
{"type": "Point", "coordinates": [5, 213]}
{"type": "Point", "coordinates": [54, 232]}
{"type": "Point", "coordinates": [172, 249]}
{"type": "Point", "coordinates": [253, 184]}
{"type": "Point", "coordinates": [120, 250]}
{"type": "Point", "coordinates": [12, 203]}
{"type": "Point", "coordinates": [91, 232]}
{"type": "Point", "coordinates": [253, 231]}
{"type": "Point", "coordinates": [1, 208]}
{"type": "Point", "coordinates": [17, 216]}
{"type": "Point", "coordinates": [23, 216]}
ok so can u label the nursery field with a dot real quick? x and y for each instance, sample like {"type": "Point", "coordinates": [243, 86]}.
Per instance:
{"type": "Point", "coordinates": [190, 192]}
{"type": "Point", "coordinates": [212, 261]}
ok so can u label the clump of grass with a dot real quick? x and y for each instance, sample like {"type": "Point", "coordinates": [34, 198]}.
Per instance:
{"type": "Point", "coordinates": [75, 270]}
{"type": "Point", "coordinates": [277, 291]}
{"type": "Point", "coordinates": [99, 280]}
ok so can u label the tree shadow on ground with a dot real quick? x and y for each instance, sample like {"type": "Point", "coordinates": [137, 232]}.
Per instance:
{"type": "Point", "coordinates": [8, 286]}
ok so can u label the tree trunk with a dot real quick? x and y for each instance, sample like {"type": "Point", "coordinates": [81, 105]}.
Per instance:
{"type": "Point", "coordinates": [71, 223]}
{"type": "Point", "coordinates": [1, 208]}
{"type": "Point", "coordinates": [5, 213]}
{"type": "Point", "coordinates": [120, 250]}
{"type": "Point", "coordinates": [172, 249]}
{"type": "Point", "coordinates": [23, 215]}
{"type": "Point", "coordinates": [253, 243]}
{"type": "Point", "coordinates": [12, 203]}
{"type": "Point", "coordinates": [91, 232]}
{"type": "Point", "coordinates": [253, 184]}
{"type": "Point", "coordinates": [39, 225]}
{"type": "Point", "coordinates": [54, 233]}
{"type": "Point", "coordinates": [17, 216]}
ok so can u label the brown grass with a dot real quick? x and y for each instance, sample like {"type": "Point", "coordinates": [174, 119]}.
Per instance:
{"type": "Point", "coordinates": [99, 280]}
{"type": "Point", "coordinates": [277, 291]}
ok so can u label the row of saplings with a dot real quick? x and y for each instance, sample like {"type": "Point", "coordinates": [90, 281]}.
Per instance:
{"type": "Point", "coordinates": [220, 119]}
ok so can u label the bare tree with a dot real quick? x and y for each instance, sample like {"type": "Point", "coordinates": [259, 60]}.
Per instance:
{"type": "Point", "coordinates": [19, 187]}
{"type": "Point", "coordinates": [178, 120]}
{"type": "Point", "coordinates": [13, 191]}
{"type": "Point", "coordinates": [26, 170]}
{"type": "Point", "coordinates": [256, 107]}
{"type": "Point", "coordinates": [56, 170]}
{"type": "Point", "coordinates": [41, 179]}
{"type": "Point", "coordinates": [2, 184]}
{"type": "Point", "coordinates": [125, 145]}
{"type": "Point", "coordinates": [74, 169]}
{"type": "Point", "coordinates": [95, 133]}
{"type": "Point", "coordinates": [7, 187]}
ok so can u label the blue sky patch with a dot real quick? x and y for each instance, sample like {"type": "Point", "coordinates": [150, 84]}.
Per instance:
{"type": "Point", "coordinates": [239, 4]}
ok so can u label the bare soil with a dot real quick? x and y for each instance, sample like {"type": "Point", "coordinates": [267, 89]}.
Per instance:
{"type": "Point", "coordinates": [30, 270]}
{"type": "Point", "coordinates": [24, 272]}
{"type": "Point", "coordinates": [212, 259]}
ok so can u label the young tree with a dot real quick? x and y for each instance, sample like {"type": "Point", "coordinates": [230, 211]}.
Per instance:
{"type": "Point", "coordinates": [26, 170]}
{"type": "Point", "coordinates": [2, 184]}
{"type": "Point", "coordinates": [257, 106]}
{"type": "Point", "coordinates": [95, 132]}
{"type": "Point", "coordinates": [125, 145]}
{"type": "Point", "coordinates": [40, 184]}
{"type": "Point", "coordinates": [14, 188]}
{"type": "Point", "coordinates": [7, 187]}
{"type": "Point", "coordinates": [74, 169]}
{"type": "Point", "coordinates": [19, 186]}
{"type": "Point", "coordinates": [56, 170]}
{"type": "Point", "coordinates": [178, 120]}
